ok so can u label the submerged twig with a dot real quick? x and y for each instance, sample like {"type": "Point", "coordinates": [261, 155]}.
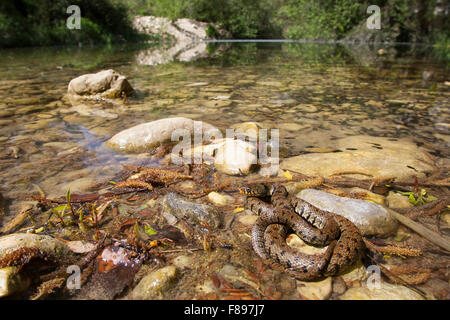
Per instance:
{"type": "Point", "coordinates": [420, 229]}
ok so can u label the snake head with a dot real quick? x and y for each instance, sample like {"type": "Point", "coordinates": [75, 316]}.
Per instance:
{"type": "Point", "coordinates": [245, 190]}
{"type": "Point", "coordinates": [254, 190]}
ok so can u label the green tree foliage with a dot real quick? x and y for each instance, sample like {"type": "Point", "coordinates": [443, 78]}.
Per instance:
{"type": "Point", "coordinates": [42, 22]}
{"type": "Point", "coordinates": [325, 19]}
{"type": "Point", "coordinates": [31, 22]}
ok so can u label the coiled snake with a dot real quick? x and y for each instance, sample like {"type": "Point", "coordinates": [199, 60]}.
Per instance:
{"type": "Point", "coordinates": [287, 214]}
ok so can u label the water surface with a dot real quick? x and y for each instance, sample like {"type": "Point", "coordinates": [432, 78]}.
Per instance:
{"type": "Point", "coordinates": [314, 93]}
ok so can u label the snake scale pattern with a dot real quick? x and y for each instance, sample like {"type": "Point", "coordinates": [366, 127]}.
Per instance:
{"type": "Point", "coordinates": [287, 214]}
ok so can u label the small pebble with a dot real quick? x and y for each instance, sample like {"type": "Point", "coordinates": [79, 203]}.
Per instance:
{"type": "Point", "coordinates": [248, 220]}
{"type": "Point", "coordinates": [153, 284]}
{"type": "Point", "coordinates": [183, 261]}
{"type": "Point", "coordinates": [316, 290]}
{"type": "Point", "coordinates": [339, 286]}
{"type": "Point", "coordinates": [220, 199]}
{"type": "Point", "coordinates": [396, 200]}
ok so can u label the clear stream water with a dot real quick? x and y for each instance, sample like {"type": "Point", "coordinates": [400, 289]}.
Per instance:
{"type": "Point", "coordinates": [314, 93]}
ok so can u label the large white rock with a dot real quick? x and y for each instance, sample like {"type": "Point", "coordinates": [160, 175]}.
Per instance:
{"type": "Point", "coordinates": [374, 157]}
{"type": "Point", "coordinates": [371, 219]}
{"type": "Point", "coordinates": [235, 157]}
{"type": "Point", "coordinates": [106, 83]}
{"type": "Point", "coordinates": [146, 136]}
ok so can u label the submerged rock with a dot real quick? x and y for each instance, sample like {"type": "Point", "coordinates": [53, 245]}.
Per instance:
{"type": "Point", "coordinates": [153, 284]}
{"type": "Point", "coordinates": [183, 261]}
{"type": "Point", "coordinates": [11, 281]}
{"type": "Point", "coordinates": [371, 219]}
{"type": "Point", "coordinates": [47, 244]}
{"type": "Point", "coordinates": [249, 128]}
{"type": "Point", "coordinates": [220, 199]}
{"type": "Point", "coordinates": [386, 291]}
{"type": "Point", "coordinates": [147, 136]}
{"type": "Point", "coordinates": [365, 156]}
{"type": "Point", "coordinates": [197, 213]}
{"type": "Point", "coordinates": [396, 200]}
{"type": "Point", "coordinates": [106, 83]}
{"type": "Point", "coordinates": [315, 290]}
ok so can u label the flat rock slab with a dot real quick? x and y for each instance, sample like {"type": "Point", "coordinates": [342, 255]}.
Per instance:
{"type": "Point", "coordinates": [366, 157]}
{"type": "Point", "coordinates": [371, 219]}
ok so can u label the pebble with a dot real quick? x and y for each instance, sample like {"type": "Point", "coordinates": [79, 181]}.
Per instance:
{"type": "Point", "coordinates": [206, 287]}
{"type": "Point", "coordinates": [249, 128]}
{"type": "Point", "coordinates": [339, 286]}
{"type": "Point", "coordinates": [11, 281]}
{"type": "Point", "coordinates": [306, 108]}
{"type": "Point", "coordinates": [197, 84]}
{"type": "Point", "coordinates": [248, 220]}
{"type": "Point", "coordinates": [183, 261]}
{"type": "Point", "coordinates": [357, 273]}
{"type": "Point", "coordinates": [79, 185]}
{"type": "Point", "coordinates": [217, 103]}
{"type": "Point", "coordinates": [291, 126]}
{"type": "Point", "coordinates": [386, 291]}
{"type": "Point", "coordinates": [220, 199]}
{"type": "Point", "coordinates": [154, 284]}
{"type": "Point", "coordinates": [315, 290]}
{"type": "Point", "coordinates": [196, 213]}
{"type": "Point", "coordinates": [396, 200]}
{"type": "Point", "coordinates": [236, 276]}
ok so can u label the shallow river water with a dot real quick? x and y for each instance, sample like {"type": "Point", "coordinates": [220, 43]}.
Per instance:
{"type": "Point", "coordinates": [313, 93]}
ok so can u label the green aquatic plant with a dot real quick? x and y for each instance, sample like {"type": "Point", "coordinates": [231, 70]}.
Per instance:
{"type": "Point", "coordinates": [418, 198]}
{"type": "Point", "coordinates": [60, 211]}
{"type": "Point", "coordinates": [149, 230]}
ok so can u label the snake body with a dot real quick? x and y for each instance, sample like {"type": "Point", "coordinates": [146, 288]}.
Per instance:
{"type": "Point", "coordinates": [317, 227]}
